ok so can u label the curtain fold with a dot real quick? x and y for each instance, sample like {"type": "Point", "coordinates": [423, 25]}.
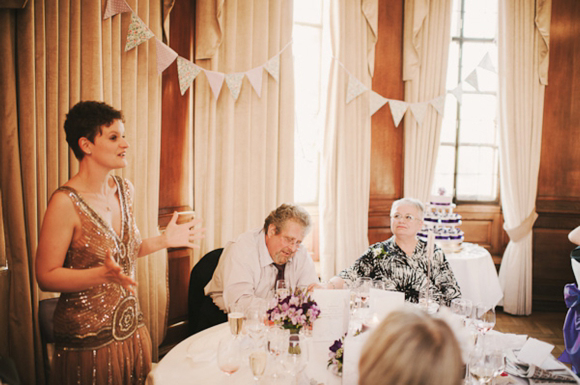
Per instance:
{"type": "Point", "coordinates": [345, 153]}
{"type": "Point", "coordinates": [523, 74]}
{"type": "Point", "coordinates": [244, 149]}
{"type": "Point", "coordinates": [54, 55]}
{"type": "Point", "coordinates": [427, 35]}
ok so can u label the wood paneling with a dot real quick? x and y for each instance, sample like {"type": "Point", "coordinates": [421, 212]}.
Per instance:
{"type": "Point", "coordinates": [176, 165]}
{"type": "Point", "coordinates": [558, 201]}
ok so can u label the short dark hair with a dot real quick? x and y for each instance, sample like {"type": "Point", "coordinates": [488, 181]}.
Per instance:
{"type": "Point", "coordinates": [285, 213]}
{"type": "Point", "coordinates": [85, 119]}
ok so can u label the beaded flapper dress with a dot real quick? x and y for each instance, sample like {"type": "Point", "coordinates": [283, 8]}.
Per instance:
{"type": "Point", "coordinates": [100, 335]}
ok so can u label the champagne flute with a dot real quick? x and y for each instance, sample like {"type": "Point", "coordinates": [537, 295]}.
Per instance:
{"type": "Point", "coordinates": [258, 359]}
{"type": "Point", "coordinates": [228, 355]}
{"type": "Point", "coordinates": [236, 319]}
{"type": "Point", "coordinates": [484, 318]}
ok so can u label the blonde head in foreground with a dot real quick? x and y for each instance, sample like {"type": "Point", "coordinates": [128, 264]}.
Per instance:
{"type": "Point", "coordinates": [411, 348]}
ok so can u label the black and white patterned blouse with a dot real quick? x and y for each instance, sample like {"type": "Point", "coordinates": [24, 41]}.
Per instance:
{"type": "Point", "coordinates": [387, 261]}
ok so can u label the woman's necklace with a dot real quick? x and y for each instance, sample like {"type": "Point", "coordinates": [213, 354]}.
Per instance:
{"type": "Point", "coordinates": [102, 200]}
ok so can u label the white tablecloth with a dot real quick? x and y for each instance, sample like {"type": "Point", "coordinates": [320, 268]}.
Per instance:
{"type": "Point", "coordinates": [476, 275]}
{"type": "Point", "coordinates": [193, 361]}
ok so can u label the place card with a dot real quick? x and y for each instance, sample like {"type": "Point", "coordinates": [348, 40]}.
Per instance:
{"type": "Point", "coordinates": [333, 320]}
{"type": "Point", "coordinates": [382, 302]}
{"type": "Point", "coordinates": [535, 352]}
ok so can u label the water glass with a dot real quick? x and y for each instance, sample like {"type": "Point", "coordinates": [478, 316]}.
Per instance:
{"type": "Point", "coordinates": [256, 320]}
{"type": "Point", "coordinates": [363, 286]}
{"type": "Point", "coordinates": [282, 289]}
{"type": "Point", "coordinates": [229, 355]}
{"type": "Point", "coordinates": [484, 318]}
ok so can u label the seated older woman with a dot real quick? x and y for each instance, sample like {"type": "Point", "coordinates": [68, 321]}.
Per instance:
{"type": "Point", "coordinates": [411, 348]}
{"type": "Point", "coordinates": [402, 260]}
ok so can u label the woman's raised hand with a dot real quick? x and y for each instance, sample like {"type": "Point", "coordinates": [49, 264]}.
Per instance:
{"type": "Point", "coordinates": [183, 235]}
{"type": "Point", "coordinates": [114, 273]}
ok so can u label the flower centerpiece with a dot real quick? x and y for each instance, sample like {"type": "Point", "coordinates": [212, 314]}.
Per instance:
{"type": "Point", "coordinates": [336, 354]}
{"type": "Point", "coordinates": [294, 312]}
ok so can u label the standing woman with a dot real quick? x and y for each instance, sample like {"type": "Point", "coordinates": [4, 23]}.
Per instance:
{"type": "Point", "coordinates": [88, 249]}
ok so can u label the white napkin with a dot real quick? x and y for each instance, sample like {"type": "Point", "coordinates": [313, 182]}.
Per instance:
{"type": "Point", "coordinates": [199, 351]}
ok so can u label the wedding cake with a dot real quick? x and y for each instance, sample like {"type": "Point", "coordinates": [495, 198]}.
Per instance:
{"type": "Point", "coordinates": [439, 217]}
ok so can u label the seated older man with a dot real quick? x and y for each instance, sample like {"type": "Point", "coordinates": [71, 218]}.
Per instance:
{"type": "Point", "coordinates": [401, 261]}
{"type": "Point", "coordinates": [250, 266]}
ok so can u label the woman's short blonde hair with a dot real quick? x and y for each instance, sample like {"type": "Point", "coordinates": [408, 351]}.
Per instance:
{"type": "Point", "coordinates": [411, 348]}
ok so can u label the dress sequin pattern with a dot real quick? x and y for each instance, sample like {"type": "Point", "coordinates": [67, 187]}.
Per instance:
{"type": "Point", "coordinates": [93, 320]}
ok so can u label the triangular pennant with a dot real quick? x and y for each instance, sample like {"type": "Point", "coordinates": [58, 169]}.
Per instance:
{"type": "Point", "coordinates": [273, 67]}
{"type": "Point", "coordinates": [486, 63]}
{"type": "Point", "coordinates": [376, 102]}
{"type": "Point", "coordinates": [439, 104]}
{"type": "Point", "coordinates": [472, 79]}
{"type": "Point", "coordinates": [234, 82]}
{"type": "Point", "coordinates": [114, 7]}
{"type": "Point", "coordinates": [186, 72]}
{"type": "Point", "coordinates": [216, 81]}
{"type": "Point", "coordinates": [419, 110]}
{"type": "Point", "coordinates": [398, 109]}
{"type": "Point", "coordinates": [458, 93]}
{"type": "Point", "coordinates": [354, 89]}
{"type": "Point", "coordinates": [165, 56]}
{"type": "Point", "coordinates": [138, 33]}
{"type": "Point", "coordinates": [255, 77]}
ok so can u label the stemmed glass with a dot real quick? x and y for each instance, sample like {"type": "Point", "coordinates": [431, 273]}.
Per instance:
{"type": "Point", "coordinates": [258, 358]}
{"type": "Point", "coordinates": [256, 321]}
{"type": "Point", "coordinates": [462, 307]}
{"type": "Point", "coordinates": [484, 317]}
{"type": "Point", "coordinates": [282, 289]}
{"type": "Point", "coordinates": [486, 364]}
{"type": "Point", "coordinates": [236, 319]}
{"type": "Point", "coordinates": [229, 355]}
{"type": "Point", "coordinates": [295, 358]}
{"type": "Point", "coordinates": [363, 285]}
{"type": "Point", "coordinates": [379, 284]}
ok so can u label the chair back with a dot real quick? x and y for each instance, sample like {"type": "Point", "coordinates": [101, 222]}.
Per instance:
{"type": "Point", "coordinates": [202, 312]}
{"type": "Point", "coordinates": [46, 309]}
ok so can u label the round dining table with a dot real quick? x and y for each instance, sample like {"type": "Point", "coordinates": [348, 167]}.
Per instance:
{"type": "Point", "coordinates": [194, 361]}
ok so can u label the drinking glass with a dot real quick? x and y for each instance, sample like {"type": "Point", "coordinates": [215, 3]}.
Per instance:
{"type": "Point", "coordinates": [295, 358]}
{"type": "Point", "coordinates": [484, 318]}
{"type": "Point", "coordinates": [462, 307]}
{"type": "Point", "coordinates": [379, 284]}
{"type": "Point", "coordinates": [282, 289]}
{"type": "Point", "coordinates": [229, 355]}
{"type": "Point", "coordinates": [258, 358]}
{"type": "Point", "coordinates": [256, 321]}
{"type": "Point", "coordinates": [363, 286]}
{"type": "Point", "coordinates": [486, 364]}
{"type": "Point", "coordinates": [236, 319]}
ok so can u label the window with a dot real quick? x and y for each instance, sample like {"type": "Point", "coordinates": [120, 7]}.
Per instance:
{"type": "Point", "coordinates": [311, 65]}
{"type": "Point", "coordinates": [468, 160]}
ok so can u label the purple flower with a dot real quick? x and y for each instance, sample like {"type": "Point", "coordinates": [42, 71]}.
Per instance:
{"type": "Point", "coordinates": [336, 345]}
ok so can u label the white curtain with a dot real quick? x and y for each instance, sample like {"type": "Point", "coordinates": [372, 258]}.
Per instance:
{"type": "Point", "coordinates": [244, 149]}
{"type": "Point", "coordinates": [425, 54]}
{"type": "Point", "coordinates": [345, 156]}
{"type": "Point", "coordinates": [524, 27]}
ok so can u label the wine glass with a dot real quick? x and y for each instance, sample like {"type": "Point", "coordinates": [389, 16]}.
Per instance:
{"type": "Point", "coordinates": [379, 284]}
{"type": "Point", "coordinates": [228, 355]}
{"type": "Point", "coordinates": [462, 307]}
{"type": "Point", "coordinates": [486, 364]}
{"type": "Point", "coordinates": [363, 285]}
{"type": "Point", "coordinates": [484, 317]}
{"type": "Point", "coordinates": [258, 358]}
{"type": "Point", "coordinates": [236, 319]}
{"type": "Point", "coordinates": [295, 358]}
{"type": "Point", "coordinates": [256, 321]}
{"type": "Point", "coordinates": [282, 289]}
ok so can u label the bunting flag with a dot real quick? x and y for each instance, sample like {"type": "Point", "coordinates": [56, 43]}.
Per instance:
{"type": "Point", "coordinates": [419, 110]}
{"type": "Point", "coordinates": [355, 88]}
{"type": "Point", "coordinates": [486, 63]}
{"type": "Point", "coordinates": [458, 93]}
{"type": "Point", "coordinates": [186, 72]}
{"type": "Point", "coordinates": [165, 56]}
{"type": "Point", "coordinates": [138, 33]}
{"type": "Point", "coordinates": [439, 104]}
{"type": "Point", "coordinates": [216, 81]}
{"type": "Point", "coordinates": [255, 77]}
{"type": "Point", "coordinates": [472, 79]}
{"type": "Point", "coordinates": [234, 82]}
{"type": "Point", "coordinates": [273, 67]}
{"type": "Point", "coordinates": [376, 101]}
{"type": "Point", "coordinates": [398, 109]}
{"type": "Point", "coordinates": [114, 7]}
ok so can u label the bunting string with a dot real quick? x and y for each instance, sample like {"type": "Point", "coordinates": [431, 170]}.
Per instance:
{"type": "Point", "coordinates": [187, 71]}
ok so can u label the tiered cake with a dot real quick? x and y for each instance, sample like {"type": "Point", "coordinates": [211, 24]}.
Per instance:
{"type": "Point", "coordinates": [440, 217]}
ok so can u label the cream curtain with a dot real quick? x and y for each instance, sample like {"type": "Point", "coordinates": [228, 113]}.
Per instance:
{"type": "Point", "coordinates": [524, 27]}
{"type": "Point", "coordinates": [425, 54]}
{"type": "Point", "coordinates": [55, 54]}
{"type": "Point", "coordinates": [345, 155]}
{"type": "Point", "coordinates": [244, 149]}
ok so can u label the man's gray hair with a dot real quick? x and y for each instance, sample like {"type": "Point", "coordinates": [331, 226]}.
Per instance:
{"type": "Point", "coordinates": [409, 201]}
{"type": "Point", "coordinates": [285, 213]}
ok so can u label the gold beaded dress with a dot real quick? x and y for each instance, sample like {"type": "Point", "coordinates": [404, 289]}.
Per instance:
{"type": "Point", "coordinates": [100, 335]}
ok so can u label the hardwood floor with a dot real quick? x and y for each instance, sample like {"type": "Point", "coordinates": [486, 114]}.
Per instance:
{"type": "Point", "coordinates": [545, 326]}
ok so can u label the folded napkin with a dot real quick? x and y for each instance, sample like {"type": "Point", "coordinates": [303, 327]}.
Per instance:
{"type": "Point", "coordinates": [537, 375]}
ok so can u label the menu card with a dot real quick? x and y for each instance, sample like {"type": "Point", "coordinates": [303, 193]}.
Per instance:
{"type": "Point", "coordinates": [333, 320]}
{"type": "Point", "coordinates": [353, 346]}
